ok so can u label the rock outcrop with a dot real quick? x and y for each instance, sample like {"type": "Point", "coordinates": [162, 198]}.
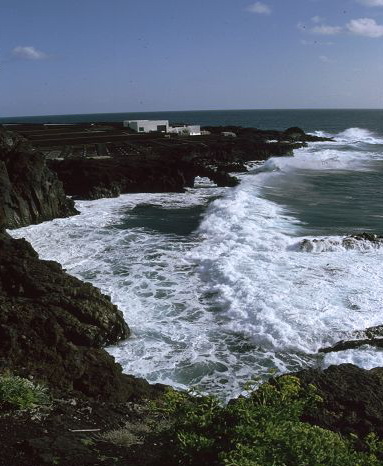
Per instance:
{"type": "Point", "coordinates": [29, 191]}
{"type": "Point", "coordinates": [360, 241]}
{"type": "Point", "coordinates": [53, 327]}
{"type": "Point", "coordinates": [372, 336]}
{"type": "Point", "coordinates": [171, 165]}
{"type": "Point", "coordinates": [352, 399]}
{"type": "Point", "coordinates": [92, 179]}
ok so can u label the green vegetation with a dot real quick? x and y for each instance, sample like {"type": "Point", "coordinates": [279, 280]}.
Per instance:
{"type": "Point", "coordinates": [20, 393]}
{"type": "Point", "coordinates": [263, 429]}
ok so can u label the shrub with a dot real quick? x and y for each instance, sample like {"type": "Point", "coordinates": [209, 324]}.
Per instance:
{"type": "Point", "coordinates": [262, 429]}
{"type": "Point", "coordinates": [20, 393]}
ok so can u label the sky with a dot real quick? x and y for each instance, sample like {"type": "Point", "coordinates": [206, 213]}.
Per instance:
{"type": "Point", "coordinates": [99, 56]}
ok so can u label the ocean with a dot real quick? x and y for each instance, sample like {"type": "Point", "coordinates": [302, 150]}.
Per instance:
{"type": "Point", "coordinates": [214, 282]}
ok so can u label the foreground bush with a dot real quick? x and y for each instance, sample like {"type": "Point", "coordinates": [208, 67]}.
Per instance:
{"type": "Point", "coordinates": [263, 429]}
{"type": "Point", "coordinates": [20, 393]}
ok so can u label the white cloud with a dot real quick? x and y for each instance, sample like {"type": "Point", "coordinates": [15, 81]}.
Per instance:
{"type": "Point", "coordinates": [259, 8]}
{"type": "Point", "coordinates": [371, 2]}
{"type": "Point", "coordinates": [29, 53]}
{"type": "Point", "coordinates": [326, 30]}
{"type": "Point", "coordinates": [365, 27]}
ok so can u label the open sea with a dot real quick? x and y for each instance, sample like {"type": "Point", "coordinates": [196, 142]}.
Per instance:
{"type": "Point", "coordinates": [213, 282]}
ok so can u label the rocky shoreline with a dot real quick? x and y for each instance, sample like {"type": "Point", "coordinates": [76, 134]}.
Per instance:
{"type": "Point", "coordinates": [53, 326]}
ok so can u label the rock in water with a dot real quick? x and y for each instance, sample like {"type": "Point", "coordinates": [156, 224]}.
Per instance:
{"type": "Point", "coordinates": [29, 191]}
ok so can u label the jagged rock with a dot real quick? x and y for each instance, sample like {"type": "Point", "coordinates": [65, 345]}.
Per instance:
{"type": "Point", "coordinates": [352, 344]}
{"type": "Point", "coordinates": [29, 191]}
{"type": "Point", "coordinates": [361, 241]}
{"type": "Point", "coordinates": [52, 327]}
{"type": "Point", "coordinates": [373, 332]}
{"type": "Point", "coordinates": [372, 336]}
{"type": "Point", "coordinates": [92, 179]}
{"type": "Point", "coordinates": [352, 399]}
{"type": "Point", "coordinates": [372, 237]}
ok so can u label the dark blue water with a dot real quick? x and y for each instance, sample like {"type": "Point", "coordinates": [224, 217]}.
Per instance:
{"type": "Point", "coordinates": [310, 120]}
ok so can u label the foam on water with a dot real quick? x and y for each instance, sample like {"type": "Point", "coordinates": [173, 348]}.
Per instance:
{"type": "Point", "coordinates": [238, 296]}
{"type": "Point", "coordinates": [281, 299]}
{"type": "Point", "coordinates": [336, 244]}
{"type": "Point", "coordinates": [366, 357]}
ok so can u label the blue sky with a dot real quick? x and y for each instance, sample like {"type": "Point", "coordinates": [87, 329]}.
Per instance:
{"type": "Point", "coordinates": [95, 56]}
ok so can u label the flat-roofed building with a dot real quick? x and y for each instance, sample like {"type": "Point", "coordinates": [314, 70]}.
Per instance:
{"type": "Point", "coordinates": [186, 130]}
{"type": "Point", "coordinates": [147, 126]}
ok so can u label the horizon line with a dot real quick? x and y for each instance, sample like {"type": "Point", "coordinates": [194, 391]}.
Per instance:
{"type": "Point", "coordinates": [191, 111]}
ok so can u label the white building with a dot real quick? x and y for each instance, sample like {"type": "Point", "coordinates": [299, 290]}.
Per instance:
{"type": "Point", "coordinates": [186, 130]}
{"type": "Point", "coordinates": [147, 126]}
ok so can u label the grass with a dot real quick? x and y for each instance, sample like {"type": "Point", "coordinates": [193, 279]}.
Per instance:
{"type": "Point", "coordinates": [21, 393]}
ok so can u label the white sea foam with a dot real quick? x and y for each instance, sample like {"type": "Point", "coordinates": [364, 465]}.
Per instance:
{"type": "Point", "coordinates": [352, 136]}
{"type": "Point", "coordinates": [357, 135]}
{"type": "Point", "coordinates": [281, 299]}
{"type": "Point", "coordinates": [238, 296]}
{"type": "Point", "coordinates": [337, 244]}
{"type": "Point", "coordinates": [366, 357]}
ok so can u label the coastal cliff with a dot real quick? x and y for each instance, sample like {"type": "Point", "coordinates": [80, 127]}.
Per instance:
{"type": "Point", "coordinates": [29, 191]}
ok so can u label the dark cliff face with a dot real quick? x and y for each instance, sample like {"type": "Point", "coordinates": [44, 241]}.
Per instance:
{"type": "Point", "coordinates": [29, 191]}
{"type": "Point", "coordinates": [93, 179]}
{"type": "Point", "coordinates": [52, 327]}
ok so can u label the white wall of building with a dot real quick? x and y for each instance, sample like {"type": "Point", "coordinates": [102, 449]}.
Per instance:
{"type": "Point", "coordinates": [146, 126]}
{"type": "Point", "coordinates": [190, 130]}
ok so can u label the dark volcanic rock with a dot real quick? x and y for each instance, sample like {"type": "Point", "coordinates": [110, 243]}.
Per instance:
{"type": "Point", "coordinates": [372, 237]}
{"type": "Point", "coordinates": [372, 336]}
{"type": "Point", "coordinates": [353, 399]}
{"type": "Point", "coordinates": [360, 241]}
{"type": "Point", "coordinates": [352, 344]}
{"type": "Point", "coordinates": [29, 191]}
{"type": "Point", "coordinates": [171, 165]}
{"type": "Point", "coordinates": [292, 134]}
{"type": "Point", "coordinates": [52, 327]}
{"type": "Point", "coordinates": [92, 179]}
